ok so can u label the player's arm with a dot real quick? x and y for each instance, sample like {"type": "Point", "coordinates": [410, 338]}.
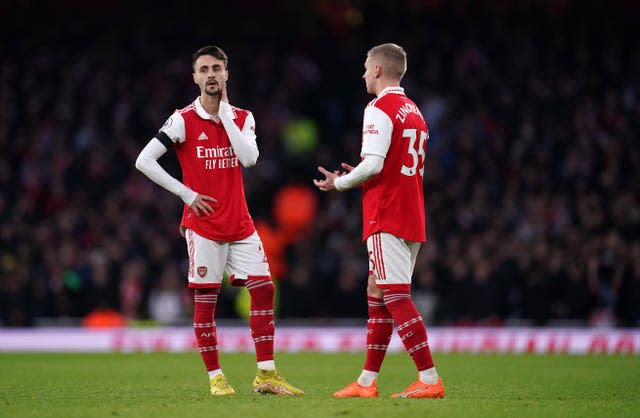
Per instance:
{"type": "Point", "coordinates": [147, 163]}
{"type": "Point", "coordinates": [376, 139]}
{"type": "Point", "coordinates": [243, 141]}
{"type": "Point", "coordinates": [367, 168]}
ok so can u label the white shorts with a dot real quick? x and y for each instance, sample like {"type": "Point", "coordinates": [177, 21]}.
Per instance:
{"type": "Point", "coordinates": [391, 260]}
{"type": "Point", "coordinates": [209, 260]}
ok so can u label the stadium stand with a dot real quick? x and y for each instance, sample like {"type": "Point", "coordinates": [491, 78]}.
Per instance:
{"type": "Point", "coordinates": [532, 180]}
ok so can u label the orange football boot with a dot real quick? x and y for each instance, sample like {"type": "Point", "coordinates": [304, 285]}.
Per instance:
{"type": "Point", "coordinates": [422, 390]}
{"type": "Point", "coordinates": [354, 390]}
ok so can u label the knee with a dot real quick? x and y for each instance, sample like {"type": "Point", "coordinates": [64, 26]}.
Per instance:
{"type": "Point", "coordinates": [206, 291]}
{"type": "Point", "coordinates": [372, 288]}
{"type": "Point", "coordinates": [260, 284]}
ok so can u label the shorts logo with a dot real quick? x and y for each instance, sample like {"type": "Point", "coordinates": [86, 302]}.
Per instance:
{"type": "Point", "coordinates": [202, 271]}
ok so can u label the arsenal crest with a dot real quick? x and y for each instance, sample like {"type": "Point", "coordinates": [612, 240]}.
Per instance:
{"type": "Point", "coordinates": [202, 271]}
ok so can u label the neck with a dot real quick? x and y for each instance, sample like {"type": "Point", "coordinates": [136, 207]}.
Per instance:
{"type": "Point", "coordinates": [386, 83]}
{"type": "Point", "coordinates": [210, 103]}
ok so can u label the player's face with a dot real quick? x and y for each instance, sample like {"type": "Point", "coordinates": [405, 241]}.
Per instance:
{"type": "Point", "coordinates": [369, 75]}
{"type": "Point", "coordinates": [210, 75]}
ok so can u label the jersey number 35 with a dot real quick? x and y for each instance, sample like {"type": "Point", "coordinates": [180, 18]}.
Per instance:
{"type": "Point", "coordinates": [417, 155]}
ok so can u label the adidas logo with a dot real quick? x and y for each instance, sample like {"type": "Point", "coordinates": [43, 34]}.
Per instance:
{"type": "Point", "coordinates": [202, 137]}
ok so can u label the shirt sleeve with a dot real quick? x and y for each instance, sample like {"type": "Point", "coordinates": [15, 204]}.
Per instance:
{"type": "Point", "coordinates": [370, 166]}
{"type": "Point", "coordinates": [174, 128]}
{"type": "Point", "coordinates": [243, 141]}
{"type": "Point", "coordinates": [376, 132]}
{"type": "Point", "coordinates": [147, 163]}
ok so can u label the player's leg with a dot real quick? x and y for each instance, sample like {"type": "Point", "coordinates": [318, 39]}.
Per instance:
{"type": "Point", "coordinates": [247, 263]}
{"type": "Point", "coordinates": [395, 260]}
{"type": "Point", "coordinates": [379, 326]}
{"type": "Point", "coordinates": [379, 330]}
{"type": "Point", "coordinates": [206, 261]}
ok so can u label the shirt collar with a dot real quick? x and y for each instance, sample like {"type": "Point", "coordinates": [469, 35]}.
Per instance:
{"type": "Point", "coordinates": [204, 114]}
{"type": "Point", "coordinates": [392, 90]}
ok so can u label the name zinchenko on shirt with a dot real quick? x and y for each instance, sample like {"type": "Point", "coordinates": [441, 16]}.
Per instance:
{"type": "Point", "coordinates": [405, 110]}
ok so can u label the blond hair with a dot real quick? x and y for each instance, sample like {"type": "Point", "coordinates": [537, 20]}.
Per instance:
{"type": "Point", "coordinates": [393, 57]}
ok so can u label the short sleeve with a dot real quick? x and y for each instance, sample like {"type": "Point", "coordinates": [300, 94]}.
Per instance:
{"type": "Point", "coordinates": [249, 128]}
{"type": "Point", "coordinates": [174, 128]}
{"type": "Point", "coordinates": [376, 132]}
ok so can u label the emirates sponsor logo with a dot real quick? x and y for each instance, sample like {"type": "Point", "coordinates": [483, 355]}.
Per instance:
{"type": "Point", "coordinates": [202, 271]}
{"type": "Point", "coordinates": [214, 152]}
{"type": "Point", "coordinates": [217, 157]}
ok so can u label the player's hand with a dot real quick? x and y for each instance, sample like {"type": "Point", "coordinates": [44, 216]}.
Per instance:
{"type": "Point", "coordinates": [223, 92]}
{"type": "Point", "coordinates": [204, 205]}
{"type": "Point", "coordinates": [326, 184]}
{"type": "Point", "coordinates": [347, 167]}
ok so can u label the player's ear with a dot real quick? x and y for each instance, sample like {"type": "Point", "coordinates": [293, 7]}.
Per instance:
{"type": "Point", "coordinates": [377, 72]}
{"type": "Point", "coordinates": [194, 78]}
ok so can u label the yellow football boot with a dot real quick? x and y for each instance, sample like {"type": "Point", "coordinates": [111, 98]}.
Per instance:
{"type": "Point", "coordinates": [220, 386]}
{"type": "Point", "coordinates": [271, 382]}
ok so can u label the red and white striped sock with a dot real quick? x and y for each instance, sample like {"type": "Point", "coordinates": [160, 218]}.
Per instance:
{"type": "Point", "coordinates": [261, 319]}
{"type": "Point", "coordinates": [204, 327]}
{"type": "Point", "coordinates": [411, 329]}
{"type": "Point", "coordinates": [379, 330]}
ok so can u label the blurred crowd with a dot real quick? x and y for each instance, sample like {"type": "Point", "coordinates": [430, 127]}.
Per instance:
{"type": "Point", "coordinates": [532, 177]}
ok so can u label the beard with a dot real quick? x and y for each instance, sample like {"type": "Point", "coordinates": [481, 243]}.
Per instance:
{"type": "Point", "coordinates": [212, 91]}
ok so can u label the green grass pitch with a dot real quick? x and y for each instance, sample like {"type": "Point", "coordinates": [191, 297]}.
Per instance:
{"type": "Point", "coordinates": [175, 385]}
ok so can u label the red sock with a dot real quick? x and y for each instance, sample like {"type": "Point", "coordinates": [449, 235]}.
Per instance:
{"type": "Point", "coordinates": [411, 328]}
{"type": "Point", "coordinates": [261, 315]}
{"type": "Point", "coordinates": [379, 330]}
{"type": "Point", "coordinates": [204, 326]}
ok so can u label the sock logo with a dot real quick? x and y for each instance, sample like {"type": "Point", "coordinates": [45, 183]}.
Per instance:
{"type": "Point", "coordinates": [207, 335]}
{"type": "Point", "coordinates": [407, 335]}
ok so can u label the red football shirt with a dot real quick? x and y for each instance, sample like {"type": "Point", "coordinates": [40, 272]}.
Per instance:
{"type": "Point", "coordinates": [393, 200]}
{"type": "Point", "coordinates": [210, 167]}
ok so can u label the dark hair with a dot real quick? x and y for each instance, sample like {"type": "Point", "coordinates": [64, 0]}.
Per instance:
{"type": "Point", "coordinates": [214, 51]}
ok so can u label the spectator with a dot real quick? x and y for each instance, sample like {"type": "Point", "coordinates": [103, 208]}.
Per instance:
{"type": "Point", "coordinates": [533, 145]}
